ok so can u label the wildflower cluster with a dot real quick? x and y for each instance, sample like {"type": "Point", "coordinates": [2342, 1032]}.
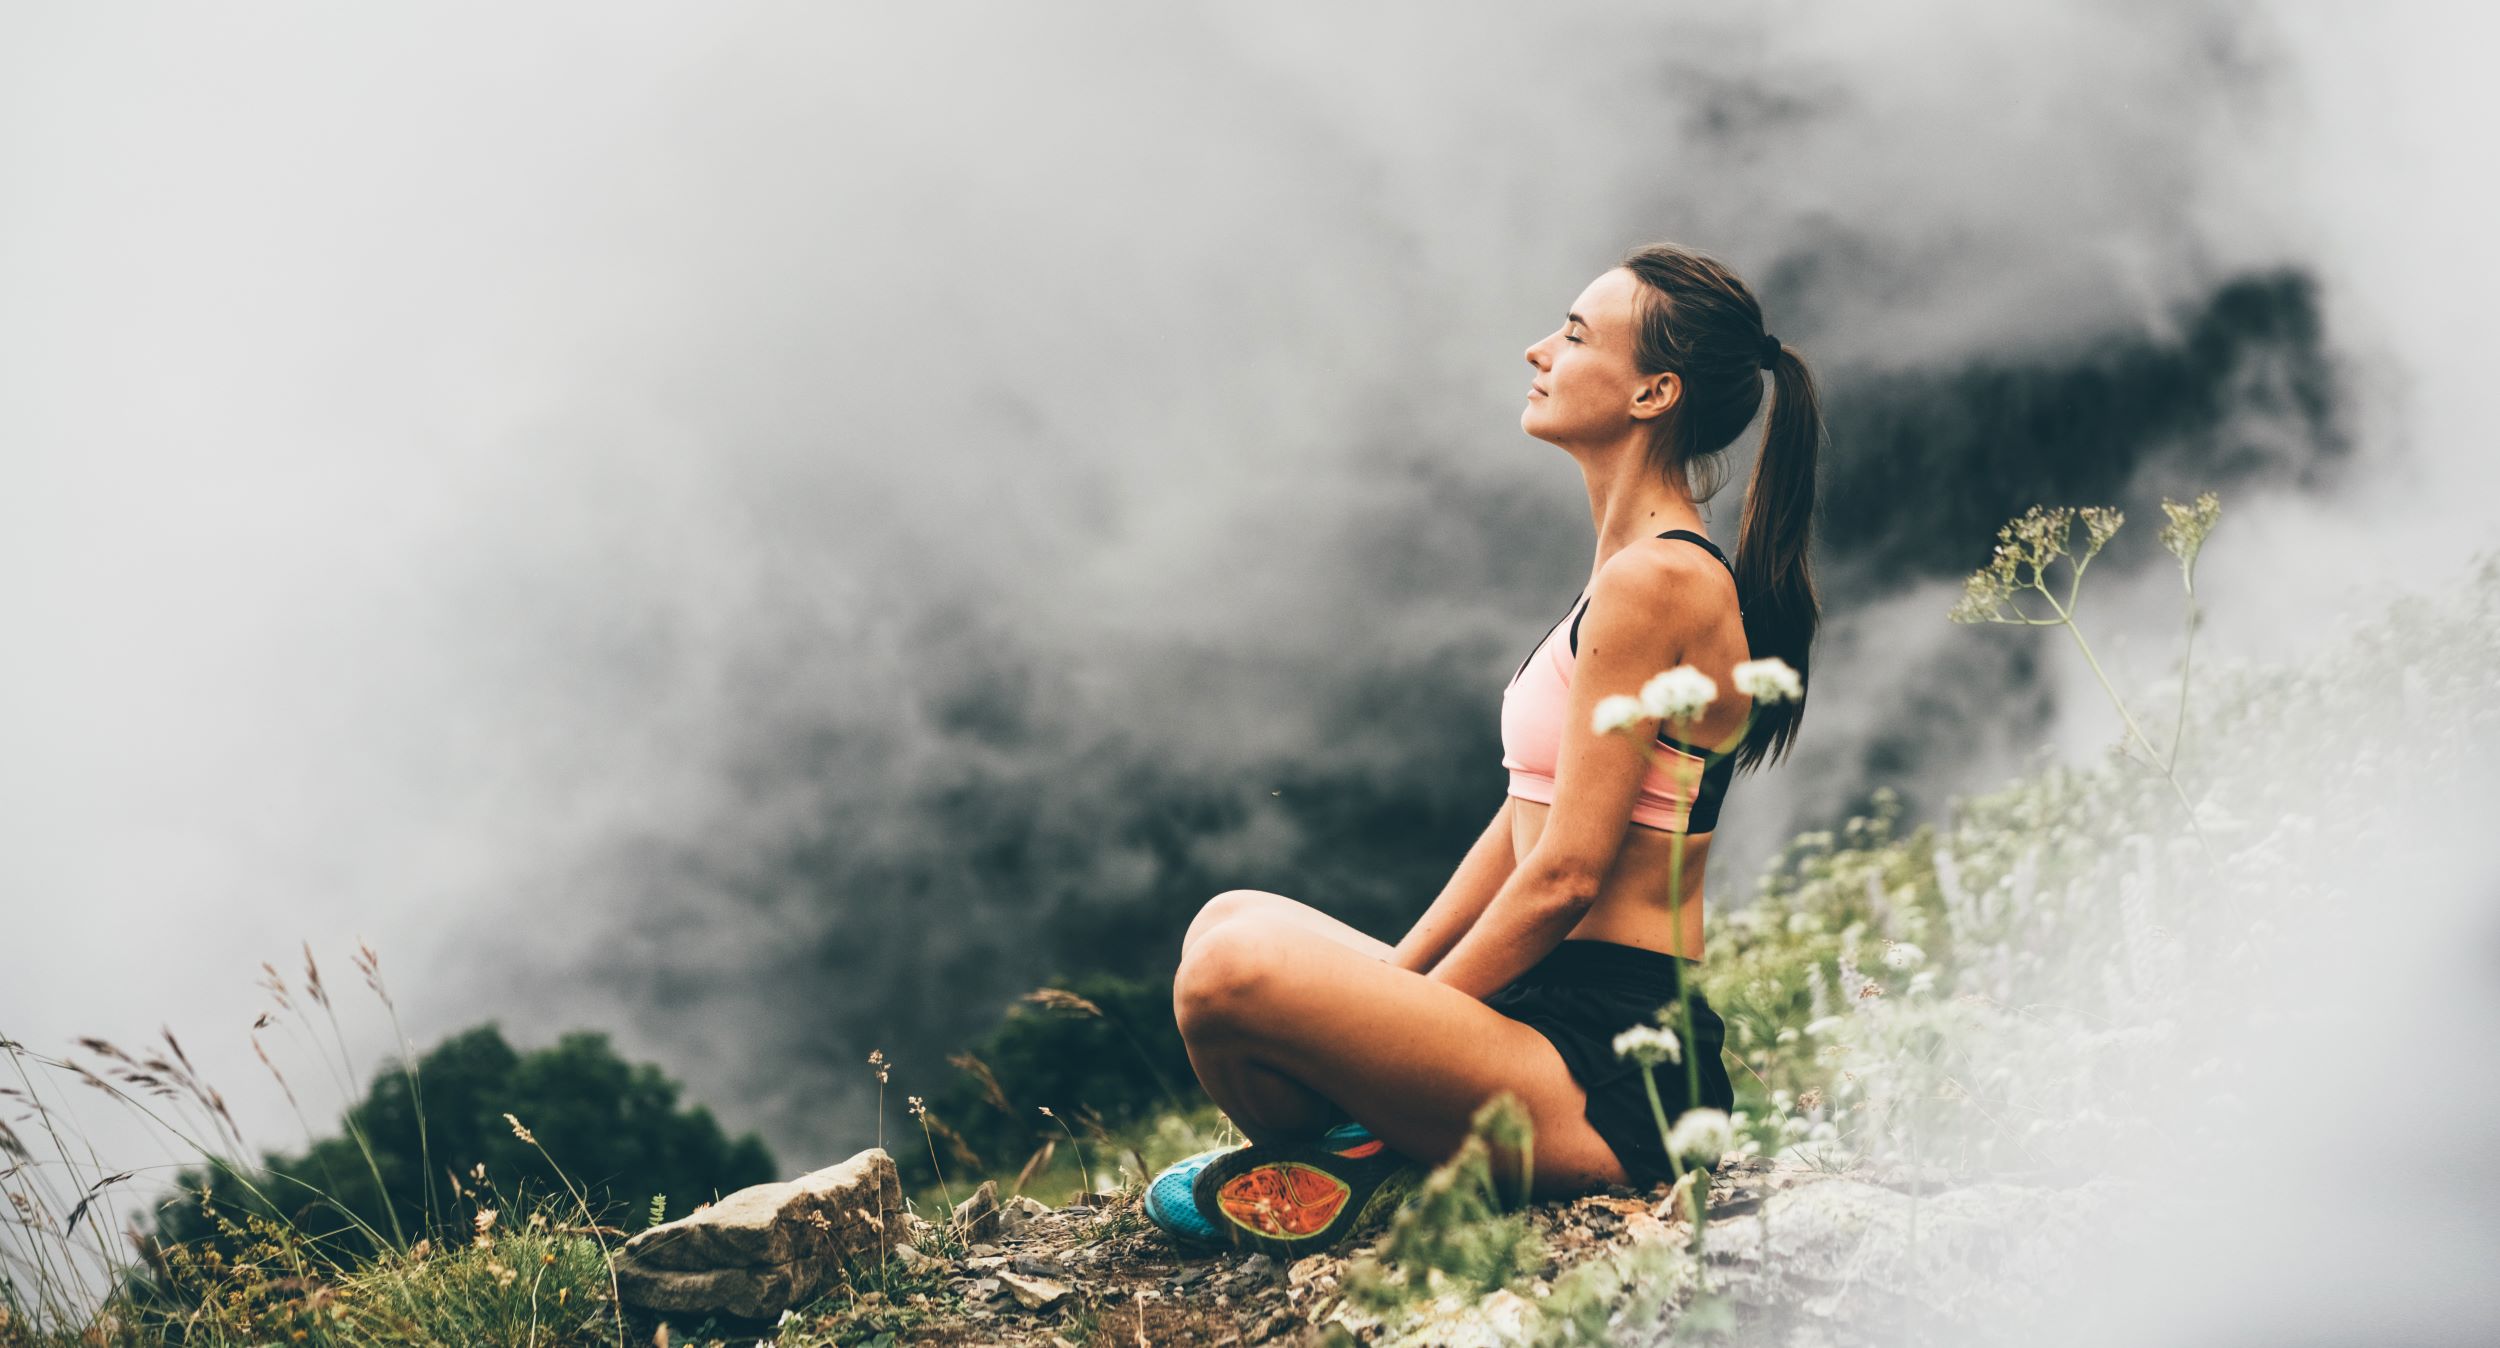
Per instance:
{"type": "Point", "coordinates": [2184, 532]}
{"type": "Point", "coordinates": [2026, 548]}
{"type": "Point", "coordinates": [1649, 1045]}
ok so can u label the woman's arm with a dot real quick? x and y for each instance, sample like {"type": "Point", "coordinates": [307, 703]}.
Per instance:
{"type": "Point", "coordinates": [1478, 878]}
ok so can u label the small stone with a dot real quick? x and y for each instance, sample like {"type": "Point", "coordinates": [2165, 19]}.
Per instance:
{"type": "Point", "coordinates": [1643, 1228]}
{"type": "Point", "coordinates": [1034, 1293]}
{"type": "Point", "coordinates": [985, 1288]}
{"type": "Point", "coordinates": [1306, 1268]}
{"type": "Point", "coordinates": [1259, 1266]}
{"type": "Point", "coordinates": [1042, 1266]}
{"type": "Point", "coordinates": [984, 1251]}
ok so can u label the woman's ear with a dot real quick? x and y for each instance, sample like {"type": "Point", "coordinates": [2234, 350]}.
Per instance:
{"type": "Point", "coordinates": [1655, 394]}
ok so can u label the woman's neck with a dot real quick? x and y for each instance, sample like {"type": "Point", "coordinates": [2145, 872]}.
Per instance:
{"type": "Point", "coordinates": [1628, 503]}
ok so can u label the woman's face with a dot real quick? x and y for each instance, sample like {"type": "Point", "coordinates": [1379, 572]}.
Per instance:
{"type": "Point", "coordinates": [1586, 389]}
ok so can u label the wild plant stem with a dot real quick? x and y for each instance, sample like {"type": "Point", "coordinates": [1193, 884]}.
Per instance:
{"type": "Point", "coordinates": [2178, 731]}
{"type": "Point", "coordinates": [416, 1093]}
{"type": "Point", "coordinates": [355, 1131]}
{"type": "Point", "coordinates": [1683, 998]}
{"type": "Point", "coordinates": [1658, 1111]}
{"type": "Point", "coordinates": [935, 1168]}
{"type": "Point", "coordinates": [1080, 1152]}
{"type": "Point", "coordinates": [590, 1222]}
{"type": "Point", "coordinates": [2152, 753]}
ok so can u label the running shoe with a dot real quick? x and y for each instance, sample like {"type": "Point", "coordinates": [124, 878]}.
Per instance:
{"type": "Point", "coordinates": [1173, 1207]}
{"type": "Point", "coordinates": [1291, 1198]}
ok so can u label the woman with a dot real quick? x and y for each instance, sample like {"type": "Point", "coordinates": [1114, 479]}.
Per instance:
{"type": "Point", "coordinates": [1341, 1057]}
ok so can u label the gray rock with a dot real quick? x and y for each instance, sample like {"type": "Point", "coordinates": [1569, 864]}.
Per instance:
{"type": "Point", "coordinates": [1034, 1294]}
{"type": "Point", "coordinates": [754, 1293]}
{"type": "Point", "coordinates": [1028, 1205]}
{"type": "Point", "coordinates": [767, 1247]}
{"type": "Point", "coordinates": [977, 1218]}
{"type": "Point", "coordinates": [1042, 1266]}
{"type": "Point", "coordinates": [1017, 1214]}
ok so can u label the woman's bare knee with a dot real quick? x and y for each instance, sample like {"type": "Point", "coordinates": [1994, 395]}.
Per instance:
{"type": "Point", "coordinates": [1223, 976]}
{"type": "Point", "coordinates": [1223, 907]}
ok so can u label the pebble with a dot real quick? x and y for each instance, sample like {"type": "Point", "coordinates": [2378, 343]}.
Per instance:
{"type": "Point", "coordinates": [1035, 1293]}
{"type": "Point", "coordinates": [1042, 1266]}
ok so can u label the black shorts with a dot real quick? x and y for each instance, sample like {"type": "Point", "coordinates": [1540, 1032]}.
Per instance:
{"type": "Point", "coordinates": [1585, 993]}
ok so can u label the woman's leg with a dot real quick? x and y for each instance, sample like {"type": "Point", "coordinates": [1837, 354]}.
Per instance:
{"type": "Point", "coordinates": [1276, 1104]}
{"type": "Point", "coordinates": [1234, 903]}
{"type": "Point", "coordinates": [1286, 1025]}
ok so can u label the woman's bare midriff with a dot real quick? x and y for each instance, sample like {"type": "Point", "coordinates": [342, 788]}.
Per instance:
{"type": "Point", "coordinates": [1632, 903]}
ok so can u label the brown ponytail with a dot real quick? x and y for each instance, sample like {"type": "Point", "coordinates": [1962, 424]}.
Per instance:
{"type": "Point", "coordinates": [1699, 321]}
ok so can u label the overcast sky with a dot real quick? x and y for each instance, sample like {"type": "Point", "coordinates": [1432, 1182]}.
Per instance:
{"type": "Point", "coordinates": [502, 482]}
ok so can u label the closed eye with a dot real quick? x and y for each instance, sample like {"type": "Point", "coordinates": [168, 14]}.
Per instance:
{"type": "Point", "coordinates": [1569, 338]}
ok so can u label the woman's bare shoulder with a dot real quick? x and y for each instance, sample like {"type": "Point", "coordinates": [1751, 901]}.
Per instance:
{"type": "Point", "coordinates": [1657, 577]}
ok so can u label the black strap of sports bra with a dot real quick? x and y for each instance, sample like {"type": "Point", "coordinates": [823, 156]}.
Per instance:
{"type": "Point", "coordinates": [1713, 547]}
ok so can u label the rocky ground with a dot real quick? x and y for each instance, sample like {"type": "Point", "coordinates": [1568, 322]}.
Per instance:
{"type": "Point", "coordinates": [1796, 1255]}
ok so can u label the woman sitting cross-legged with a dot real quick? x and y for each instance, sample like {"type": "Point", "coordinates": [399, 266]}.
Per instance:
{"type": "Point", "coordinates": [1576, 914]}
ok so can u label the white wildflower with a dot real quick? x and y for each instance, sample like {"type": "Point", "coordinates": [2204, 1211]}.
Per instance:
{"type": "Point", "coordinates": [1903, 955]}
{"type": "Point", "coordinates": [1701, 1136]}
{"type": "Point", "coordinates": [1615, 713]}
{"type": "Point", "coordinates": [1649, 1045]}
{"type": "Point", "coordinates": [1768, 680]}
{"type": "Point", "coordinates": [1678, 694]}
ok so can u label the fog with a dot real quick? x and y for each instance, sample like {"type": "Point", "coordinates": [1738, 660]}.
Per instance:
{"type": "Point", "coordinates": [772, 530]}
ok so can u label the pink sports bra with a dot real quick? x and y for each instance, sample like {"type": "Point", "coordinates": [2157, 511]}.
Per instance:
{"type": "Point", "coordinates": [1682, 789]}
